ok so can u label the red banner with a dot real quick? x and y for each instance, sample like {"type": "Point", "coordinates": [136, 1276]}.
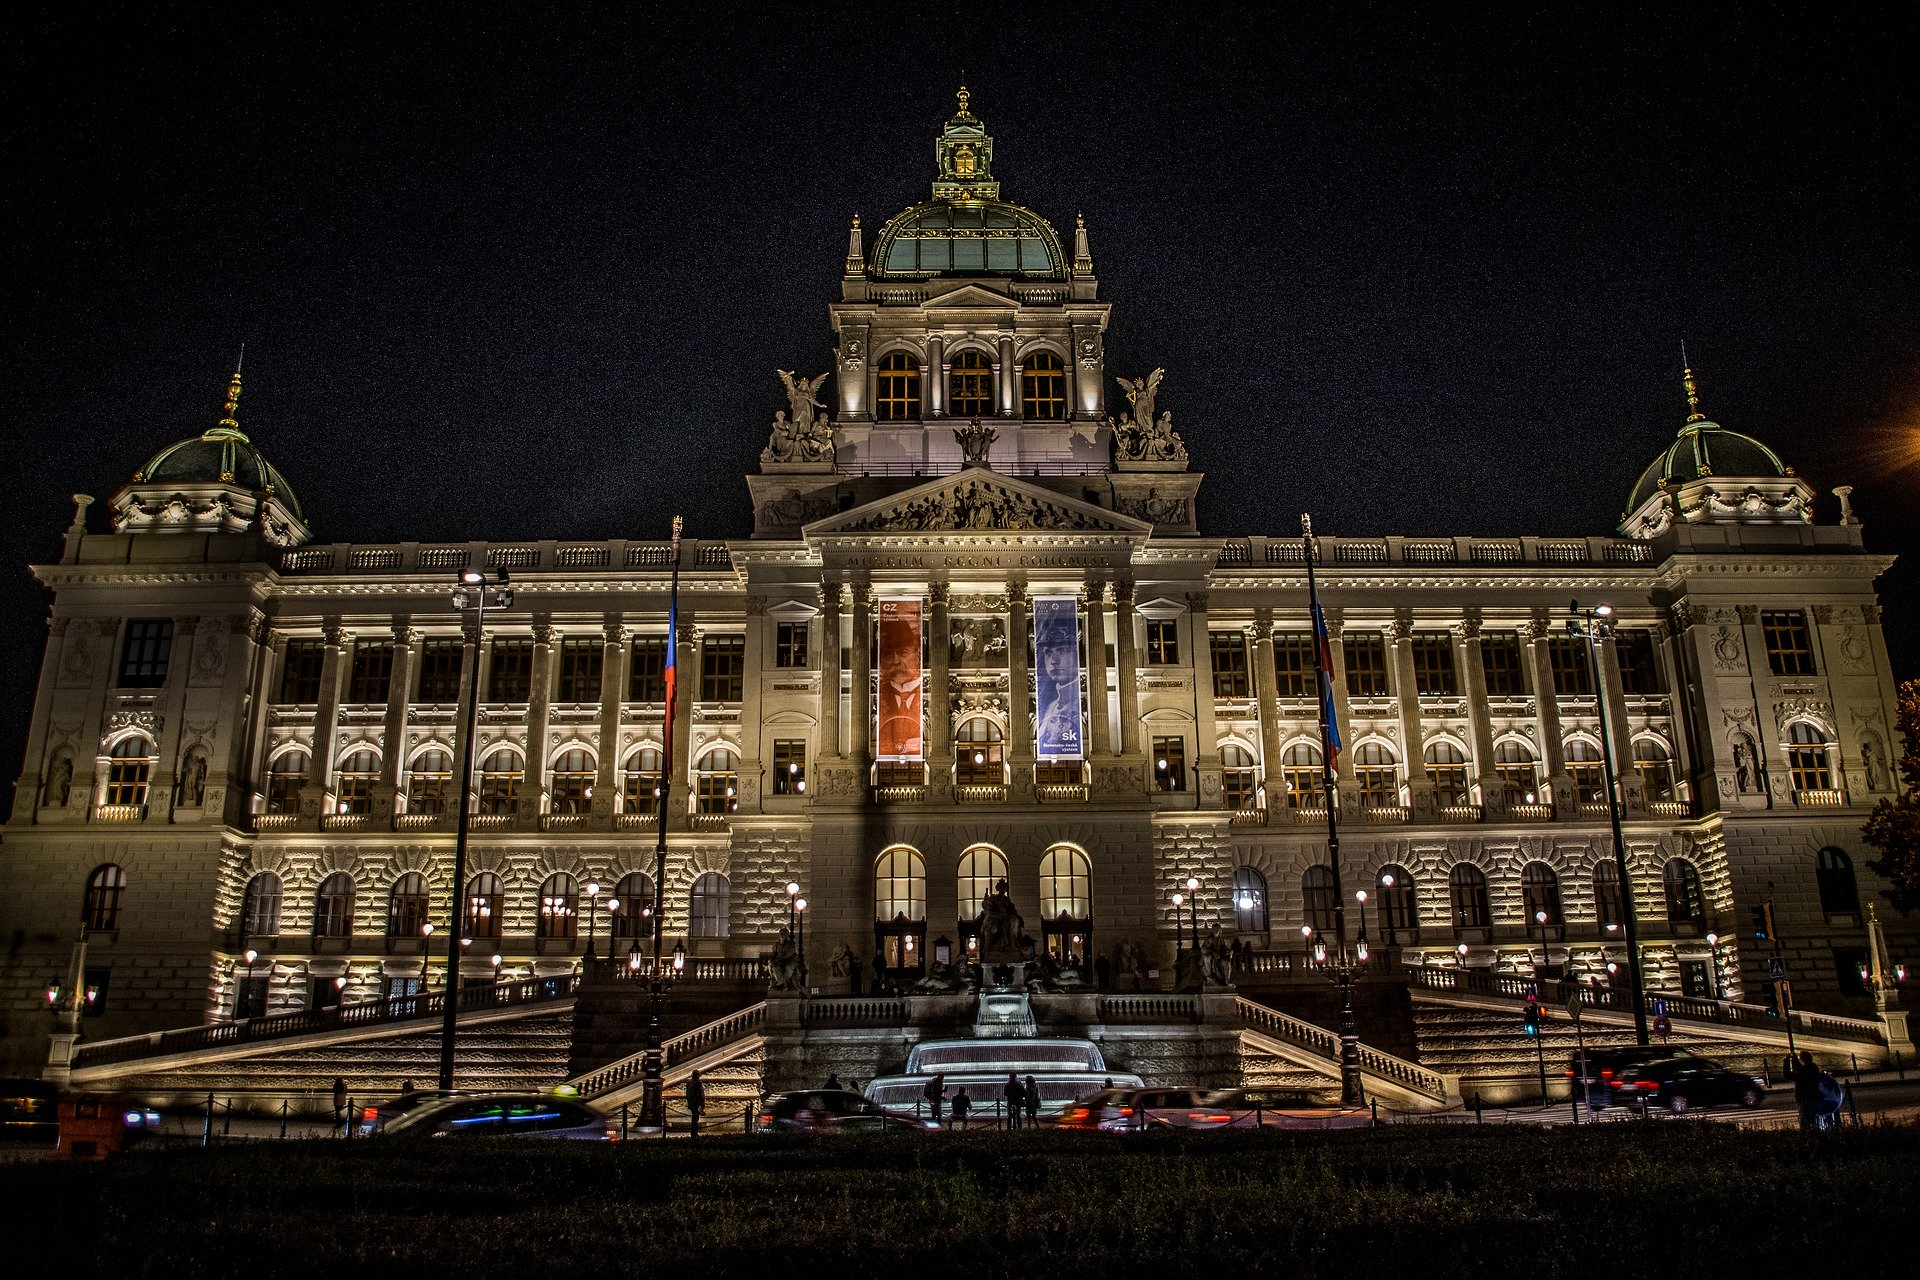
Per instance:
{"type": "Point", "coordinates": [899, 701]}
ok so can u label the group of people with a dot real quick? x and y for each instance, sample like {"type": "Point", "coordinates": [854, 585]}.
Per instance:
{"type": "Point", "coordinates": [1817, 1094]}
{"type": "Point", "coordinates": [1021, 1098]}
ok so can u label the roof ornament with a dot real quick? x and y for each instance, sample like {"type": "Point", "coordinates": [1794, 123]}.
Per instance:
{"type": "Point", "coordinates": [963, 95]}
{"type": "Point", "coordinates": [1686, 380]}
{"type": "Point", "coordinates": [976, 443]}
{"type": "Point", "coordinates": [1082, 254]}
{"type": "Point", "coordinates": [856, 254]}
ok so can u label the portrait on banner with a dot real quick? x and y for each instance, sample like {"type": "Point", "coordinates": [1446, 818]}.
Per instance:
{"type": "Point", "coordinates": [899, 700]}
{"type": "Point", "coordinates": [1056, 652]}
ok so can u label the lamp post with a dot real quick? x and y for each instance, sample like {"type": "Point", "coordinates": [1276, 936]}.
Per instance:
{"type": "Point", "coordinates": [1713, 959]}
{"type": "Point", "coordinates": [1594, 625]}
{"type": "Point", "coordinates": [1193, 911]}
{"type": "Point", "coordinates": [1386, 909]}
{"type": "Point", "coordinates": [653, 1114]}
{"type": "Point", "coordinates": [1540, 922]}
{"type": "Point", "coordinates": [800, 939]}
{"type": "Point", "coordinates": [613, 913]}
{"type": "Point", "coordinates": [1179, 944]}
{"type": "Point", "coordinates": [593, 906]}
{"type": "Point", "coordinates": [477, 592]}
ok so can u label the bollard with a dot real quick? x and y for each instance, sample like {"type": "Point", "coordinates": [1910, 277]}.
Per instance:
{"type": "Point", "coordinates": [226, 1121]}
{"type": "Point", "coordinates": [1375, 1105]}
{"type": "Point", "coordinates": [206, 1130]}
{"type": "Point", "coordinates": [283, 1119]}
{"type": "Point", "coordinates": [352, 1108]}
{"type": "Point", "coordinates": [623, 1122]}
{"type": "Point", "coordinates": [1853, 1108]}
{"type": "Point", "coordinates": [1856, 1065]}
{"type": "Point", "coordinates": [1899, 1067]}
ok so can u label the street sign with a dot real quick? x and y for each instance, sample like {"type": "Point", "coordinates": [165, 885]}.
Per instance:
{"type": "Point", "coordinates": [1659, 1008]}
{"type": "Point", "coordinates": [1777, 968]}
{"type": "Point", "coordinates": [1573, 1007]}
{"type": "Point", "coordinates": [1662, 1026]}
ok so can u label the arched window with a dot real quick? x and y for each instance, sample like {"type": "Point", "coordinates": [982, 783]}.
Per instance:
{"type": "Point", "coordinates": [900, 886]}
{"type": "Point", "coordinates": [1467, 897]}
{"type": "Point", "coordinates": [128, 767]}
{"type": "Point", "coordinates": [640, 781]}
{"type": "Point", "coordinates": [1839, 894]}
{"type": "Point", "coordinates": [1807, 758]}
{"type": "Point", "coordinates": [573, 781]}
{"type": "Point", "coordinates": [100, 911]}
{"type": "Point", "coordinates": [559, 908]}
{"type": "Point", "coordinates": [358, 772]}
{"type": "Point", "coordinates": [1374, 769]}
{"type": "Point", "coordinates": [1607, 910]}
{"type": "Point", "coordinates": [333, 907]}
{"type": "Point", "coordinates": [1319, 898]}
{"type": "Point", "coordinates": [484, 906]}
{"type": "Point", "coordinates": [708, 912]}
{"type": "Point", "coordinates": [1043, 388]}
{"type": "Point", "coordinates": [1540, 896]}
{"type": "Point", "coordinates": [500, 775]}
{"type": "Point", "coordinates": [1301, 766]}
{"type": "Point", "coordinates": [1447, 769]}
{"type": "Point", "coordinates": [979, 753]}
{"type": "Point", "coordinates": [970, 385]}
{"type": "Point", "coordinates": [1587, 770]}
{"type": "Point", "coordinates": [1240, 785]}
{"type": "Point", "coordinates": [407, 908]}
{"type": "Point", "coordinates": [285, 776]}
{"type": "Point", "coordinates": [1655, 763]}
{"type": "Point", "coordinates": [981, 867]}
{"type": "Point", "coordinates": [898, 393]}
{"type": "Point", "coordinates": [1514, 764]}
{"type": "Point", "coordinates": [429, 781]}
{"type": "Point", "coordinates": [716, 781]}
{"type": "Point", "coordinates": [1398, 902]}
{"type": "Point", "coordinates": [1066, 903]}
{"type": "Point", "coordinates": [260, 907]}
{"type": "Point", "coordinates": [1685, 904]}
{"type": "Point", "coordinates": [1249, 900]}
{"type": "Point", "coordinates": [632, 908]}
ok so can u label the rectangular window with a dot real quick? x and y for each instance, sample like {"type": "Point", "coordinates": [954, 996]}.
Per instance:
{"type": "Point", "coordinates": [580, 662]}
{"type": "Point", "coordinates": [1293, 665]}
{"type": "Point", "coordinates": [790, 767]}
{"type": "Point", "coordinates": [300, 673]}
{"type": "Point", "coordinates": [144, 654]}
{"type": "Point", "coordinates": [324, 993]}
{"type": "Point", "coordinates": [646, 676]}
{"type": "Point", "coordinates": [1694, 981]}
{"type": "Point", "coordinates": [1366, 656]}
{"type": "Point", "coordinates": [510, 671]}
{"type": "Point", "coordinates": [372, 671]}
{"type": "Point", "coordinates": [1639, 671]}
{"type": "Point", "coordinates": [250, 996]}
{"type": "Point", "coordinates": [1230, 675]}
{"type": "Point", "coordinates": [790, 644]}
{"type": "Point", "coordinates": [1433, 670]}
{"type": "Point", "coordinates": [723, 665]}
{"type": "Point", "coordinates": [1502, 657]}
{"type": "Point", "coordinates": [1572, 667]}
{"type": "Point", "coordinates": [1163, 642]}
{"type": "Point", "coordinates": [1170, 764]}
{"type": "Point", "coordinates": [440, 670]}
{"type": "Point", "coordinates": [1789, 643]}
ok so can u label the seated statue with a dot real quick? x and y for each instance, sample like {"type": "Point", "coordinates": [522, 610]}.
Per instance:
{"type": "Point", "coordinates": [1001, 925]}
{"type": "Point", "coordinates": [784, 970]}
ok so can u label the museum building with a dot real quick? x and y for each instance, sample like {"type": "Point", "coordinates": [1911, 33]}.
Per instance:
{"type": "Point", "coordinates": [978, 634]}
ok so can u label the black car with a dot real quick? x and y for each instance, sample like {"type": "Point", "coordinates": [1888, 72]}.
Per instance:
{"type": "Point", "coordinates": [375, 1119]}
{"type": "Point", "coordinates": [1605, 1066]}
{"type": "Point", "coordinates": [1681, 1084]}
{"type": "Point", "coordinates": [834, 1111]}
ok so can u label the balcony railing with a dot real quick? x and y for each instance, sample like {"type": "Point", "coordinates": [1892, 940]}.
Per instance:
{"type": "Point", "coordinates": [563, 821]}
{"type": "Point", "coordinates": [632, 821]}
{"type": "Point", "coordinates": [275, 821]}
{"type": "Point", "coordinates": [120, 813]}
{"type": "Point", "coordinates": [1249, 817]}
{"type": "Point", "coordinates": [1824, 798]}
{"type": "Point", "coordinates": [900, 793]}
{"type": "Point", "coordinates": [710, 821]}
{"type": "Point", "coordinates": [979, 792]}
{"type": "Point", "coordinates": [346, 822]}
{"type": "Point", "coordinates": [1670, 808]}
{"type": "Point", "coordinates": [1061, 792]}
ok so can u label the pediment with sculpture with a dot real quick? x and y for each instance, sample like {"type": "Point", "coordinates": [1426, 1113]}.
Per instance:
{"type": "Point", "coordinates": [978, 499]}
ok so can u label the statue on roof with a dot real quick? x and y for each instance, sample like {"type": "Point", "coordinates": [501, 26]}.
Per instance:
{"type": "Point", "coordinates": [1139, 436]}
{"type": "Point", "coordinates": [806, 436]}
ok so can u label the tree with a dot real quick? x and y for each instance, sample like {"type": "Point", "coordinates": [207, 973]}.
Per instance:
{"type": "Point", "coordinates": [1894, 826]}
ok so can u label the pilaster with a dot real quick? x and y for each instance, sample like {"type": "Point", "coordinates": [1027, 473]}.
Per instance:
{"type": "Point", "coordinates": [1126, 624]}
{"type": "Point", "coordinates": [830, 645]}
{"type": "Point", "coordinates": [1546, 703]}
{"type": "Point", "coordinates": [1633, 790]}
{"type": "Point", "coordinates": [1266, 674]}
{"type": "Point", "coordinates": [1206, 751]}
{"type": "Point", "coordinates": [1406, 689]}
{"type": "Point", "coordinates": [533, 786]}
{"type": "Point", "coordinates": [613, 692]}
{"type": "Point", "coordinates": [939, 713]}
{"type": "Point", "coordinates": [326, 722]}
{"type": "Point", "coordinates": [687, 659]}
{"type": "Point", "coordinates": [1473, 681]}
{"type": "Point", "coordinates": [1019, 693]}
{"type": "Point", "coordinates": [1100, 731]}
{"type": "Point", "coordinates": [860, 748]}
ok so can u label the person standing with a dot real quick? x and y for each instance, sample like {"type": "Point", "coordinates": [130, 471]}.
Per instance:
{"type": "Point", "coordinates": [696, 1097]}
{"type": "Point", "coordinates": [935, 1093]}
{"type": "Point", "coordinates": [962, 1108]}
{"type": "Point", "coordinates": [854, 968]}
{"type": "Point", "coordinates": [1806, 1090]}
{"type": "Point", "coordinates": [879, 973]}
{"type": "Point", "coordinates": [1032, 1092]}
{"type": "Point", "coordinates": [1016, 1096]}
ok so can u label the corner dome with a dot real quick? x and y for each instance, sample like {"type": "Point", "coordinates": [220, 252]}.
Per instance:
{"type": "Point", "coordinates": [1712, 475]}
{"type": "Point", "coordinates": [221, 455]}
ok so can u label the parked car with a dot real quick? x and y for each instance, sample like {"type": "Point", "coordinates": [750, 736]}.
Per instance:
{"type": "Point", "coordinates": [1605, 1066]}
{"type": "Point", "coordinates": [1680, 1084]}
{"type": "Point", "coordinates": [834, 1111]}
{"type": "Point", "coordinates": [504, 1115]}
{"type": "Point", "coordinates": [374, 1119]}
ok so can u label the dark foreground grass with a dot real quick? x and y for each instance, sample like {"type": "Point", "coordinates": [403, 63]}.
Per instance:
{"type": "Point", "coordinates": [1427, 1202]}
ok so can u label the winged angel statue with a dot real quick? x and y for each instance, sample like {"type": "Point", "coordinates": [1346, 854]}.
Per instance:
{"type": "Point", "coordinates": [802, 431]}
{"type": "Point", "coordinates": [1138, 437]}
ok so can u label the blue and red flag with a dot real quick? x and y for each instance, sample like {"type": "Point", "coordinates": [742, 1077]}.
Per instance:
{"type": "Point", "coordinates": [1325, 664]}
{"type": "Point", "coordinates": [669, 675]}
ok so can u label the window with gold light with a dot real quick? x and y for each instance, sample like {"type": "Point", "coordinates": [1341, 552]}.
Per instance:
{"type": "Point", "coordinates": [897, 395]}
{"type": "Point", "coordinates": [1043, 388]}
{"type": "Point", "coordinates": [970, 386]}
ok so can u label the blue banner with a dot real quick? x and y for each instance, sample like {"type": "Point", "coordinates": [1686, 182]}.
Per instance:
{"type": "Point", "coordinates": [1056, 674]}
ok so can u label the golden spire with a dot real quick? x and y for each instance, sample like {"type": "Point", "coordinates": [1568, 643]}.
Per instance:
{"type": "Point", "coordinates": [231, 415]}
{"type": "Point", "coordinates": [963, 95]}
{"type": "Point", "coordinates": [1693, 392]}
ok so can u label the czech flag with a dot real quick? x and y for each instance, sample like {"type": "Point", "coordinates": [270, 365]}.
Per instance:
{"type": "Point", "coordinates": [669, 675]}
{"type": "Point", "coordinates": [1327, 716]}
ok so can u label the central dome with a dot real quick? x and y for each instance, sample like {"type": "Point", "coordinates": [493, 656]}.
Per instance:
{"type": "Point", "coordinates": [969, 238]}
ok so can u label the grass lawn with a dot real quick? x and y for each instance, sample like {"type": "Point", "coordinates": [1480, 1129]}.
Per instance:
{"type": "Point", "coordinates": [1624, 1200]}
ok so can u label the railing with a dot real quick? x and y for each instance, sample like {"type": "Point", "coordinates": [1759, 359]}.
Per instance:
{"type": "Point", "coordinates": [280, 1026]}
{"type": "Point", "coordinates": [1323, 1043]}
{"type": "Point", "coordinates": [709, 822]}
{"type": "Point", "coordinates": [634, 821]}
{"type": "Point", "coordinates": [120, 813]}
{"type": "Point", "coordinates": [1247, 817]}
{"type": "Point", "coordinates": [1459, 813]}
{"type": "Point", "coordinates": [1061, 792]}
{"type": "Point", "coordinates": [890, 1011]}
{"type": "Point", "coordinates": [411, 558]}
{"type": "Point", "coordinates": [1530, 812]}
{"type": "Point", "coordinates": [710, 969]}
{"type": "Point", "coordinates": [1825, 798]}
{"type": "Point", "coordinates": [1384, 813]}
{"type": "Point", "coordinates": [979, 792]}
{"type": "Point", "coordinates": [1244, 552]}
{"type": "Point", "coordinates": [1670, 808]}
{"type": "Point", "coordinates": [563, 821]}
{"type": "Point", "coordinates": [275, 821]}
{"type": "Point", "coordinates": [700, 1040]}
{"type": "Point", "coordinates": [346, 822]}
{"type": "Point", "coordinates": [1279, 962]}
{"type": "Point", "coordinates": [492, 821]}
{"type": "Point", "coordinates": [1122, 1009]}
{"type": "Point", "coordinates": [900, 793]}
{"type": "Point", "coordinates": [419, 821]}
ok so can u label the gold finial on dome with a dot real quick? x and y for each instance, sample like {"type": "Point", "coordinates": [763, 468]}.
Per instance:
{"type": "Point", "coordinates": [230, 417]}
{"type": "Point", "coordinates": [963, 95]}
{"type": "Point", "coordinates": [1693, 392]}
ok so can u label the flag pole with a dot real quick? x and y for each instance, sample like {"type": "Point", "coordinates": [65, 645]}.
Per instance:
{"type": "Point", "coordinates": [652, 1108]}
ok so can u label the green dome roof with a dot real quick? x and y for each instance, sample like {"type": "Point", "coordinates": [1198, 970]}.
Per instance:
{"type": "Point", "coordinates": [223, 455]}
{"type": "Point", "coordinates": [1706, 449]}
{"type": "Point", "coordinates": [969, 238]}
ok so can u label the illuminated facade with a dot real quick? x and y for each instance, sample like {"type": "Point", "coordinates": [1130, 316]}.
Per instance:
{"type": "Point", "coordinates": [977, 634]}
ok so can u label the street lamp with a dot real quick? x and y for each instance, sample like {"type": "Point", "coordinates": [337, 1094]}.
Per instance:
{"type": "Point", "coordinates": [1179, 945]}
{"type": "Point", "coordinates": [1386, 908]}
{"type": "Point", "coordinates": [593, 905]}
{"type": "Point", "coordinates": [800, 938]}
{"type": "Point", "coordinates": [1595, 625]}
{"type": "Point", "coordinates": [1713, 958]}
{"type": "Point", "coordinates": [1193, 909]}
{"type": "Point", "coordinates": [1360, 948]}
{"type": "Point", "coordinates": [613, 910]}
{"type": "Point", "coordinates": [477, 592]}
{"type": "Point", "coordinates": [1540, 921]}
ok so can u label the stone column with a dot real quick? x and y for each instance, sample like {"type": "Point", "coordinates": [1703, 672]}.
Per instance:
{"type": "Point", "coordinates": [752, 787]}
{"type": "Point", "coordinates": [533, 785]}
{"type": "Point", "coordinates": [326, 721]}
{"type": "Point", "coordinates": [860, 747]}
{"type": "Point", "coordinates": [170, 739]}
{"type": "Point", "coordinates": [935, 378]}
{"type": "Point", "coordinates": [939, 713]}
{"type": "Point", "coordinates": [1126, 654]}
{"type": "Point", "coordinates": [829, 669]}
{"type": "Point", "coordinates": [1019, 693]}
{"type": "Point", "coordinates": [1406, 688]}
{"type": "Point", "coordinates": [27, 792]}
{"type": "Point", "coordinates": [263, 649]}
{"type": "Point", "coordinates": [687, 691]}
{"type": "Point", "coordinates": [613, 692]}
{"type": "Point", "coordinates": [1546, 701]}
{"type": "Point", "coordinates": [1266, 675]}
{"type": "Point", "coordinates": [406, 651]}
{"type": "Point", "coordinates": [1206, 751]}
{"type": "Point", "coordinates": [1100, 731]}
{"type": "Point", "coordinates": [1633, 789]}
{"type": "Point", "coordinates": [1008, 378]}
{"type": "Point", "coordinates": [1473, 682]}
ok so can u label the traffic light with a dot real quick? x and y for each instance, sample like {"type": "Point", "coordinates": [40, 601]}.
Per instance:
{"type": "Point", "coordinates": [1531, 1019]}
{"type": "Point", "coordinates": [1760, 923]}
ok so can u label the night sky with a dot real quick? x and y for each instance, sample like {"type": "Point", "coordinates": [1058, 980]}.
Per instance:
{"type": "Point", "coordinates": [528, 274]}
